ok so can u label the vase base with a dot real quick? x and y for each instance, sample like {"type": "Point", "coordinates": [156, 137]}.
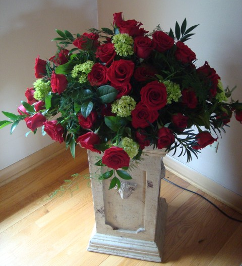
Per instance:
{"type": "Point", "coordinates": [130, 247]}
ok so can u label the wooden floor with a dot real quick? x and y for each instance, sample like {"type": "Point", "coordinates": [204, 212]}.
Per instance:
{"type": "Point", "coordinates": [39, 228]}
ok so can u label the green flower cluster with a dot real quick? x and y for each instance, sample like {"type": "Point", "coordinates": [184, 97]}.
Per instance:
{"type": "Point", "coordinates": [123, 44]}
{"type": "Point", "coordinates": [42, 88]}
{"type": "Point", "coordinates": [130, 146]}
{"type": "Point", "coordinates": [81, 71]}
{"type": "Point", "coordinates": [173, 91]}
{"type": "Point", "coordinates": [220, 96]}
{"type": "Point", "coordinates": [123, 106]}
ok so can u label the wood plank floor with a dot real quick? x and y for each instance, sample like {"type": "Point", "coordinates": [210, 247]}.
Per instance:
{"type": "Point", "coordinates": [41, 230]}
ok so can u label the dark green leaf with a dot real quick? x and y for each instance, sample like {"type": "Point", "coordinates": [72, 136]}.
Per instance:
{"type": "Point", "coordinates": [58, 39]}
{"type": "Point", "coordinates": [183, 26]}
{"type": "Point", "coordinates": [28, 107]}
{"type": "Point", "coordinates": [177, 31]}
{"type": "Point", "coordinates": [124, 175]}
{"type": "Point", "coordinates": [107, 93]}
{"type": "Point", "coordinates": [190, 29]}
{"type": "Point", "coordinates": [4, 123]}
{"type": "Point", "coordinates": [77, 107]}
{"type": "Point", "coordinates": [115, 181]}
{"type": "Point", "coordinates": [69, 35]}
{"type": "Point", "coordinates": [48, 101]}
{"type": "Point", "coordinates": [73, 147]}
{"type": "Point", "coordinates": [115, 122]}
{"type": "Point", "coordinates": [73, 50]}
{"type": "Point", "coordinates": [15, 123]}
{"type": "Point", "coordinates": [106, 175]}
{"type": "Point", "coordinates": [86, 109]}
{"type": "Point", "coordinates": [86, 95]}
{"type": "Point", "coordinates": [171, 34]}
{"type": "Point", "coordinates": [12, 116]}
{"type": "Point", "coordinates": [186, 37]}
{"type": "Point", "coordinates": [101, 147]}
{"type": "Point", "coordinates": [61, 33]}
{"type": "Point", "coordinates": [99, 163]}
{"type": "Point", "coordinates": [107, 30]}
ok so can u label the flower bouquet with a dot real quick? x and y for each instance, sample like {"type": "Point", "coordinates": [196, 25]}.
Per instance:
{"type": "Point", "coordinates": [116, 91]}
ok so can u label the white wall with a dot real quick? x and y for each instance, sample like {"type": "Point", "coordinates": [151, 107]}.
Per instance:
{"type": "Point", "coordinates": [218, 40]}
{"type": "Point", "coordinates": [27, 28]}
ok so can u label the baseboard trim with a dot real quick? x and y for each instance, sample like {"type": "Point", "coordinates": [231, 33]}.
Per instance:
{"type": "Point", "coordinates": [21, 167]}
{"type": "Point", "coordinates": [205, 184]}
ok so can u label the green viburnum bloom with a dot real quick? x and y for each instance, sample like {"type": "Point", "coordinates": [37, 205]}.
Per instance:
{"type": "Point", "coordinates": [123, 44]}
{"type": "Point", "coordinates": [81, 71]}
{"type": "Point", "coordinates": [130, 146]}
{"type": "Point", "coordinates": [42, 88]}
{"type": "Point", "coordinates": [220, 96]}
{"type": "Point", "coordinates": [123, 106]}
{"type": "Point", "coordinates": [173, 91]}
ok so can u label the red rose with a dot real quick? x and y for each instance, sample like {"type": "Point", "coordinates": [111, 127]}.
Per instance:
{"type": "Point", "coordinates": [54, 130]}
{"type": "Point", "coordinates": [165, 138]}
{"type": "Point", "coordinates": [60, 58]}
{"type": "Point", "coordinates": [224, 117]}
{"type": "Point", "coordinates": [58, 83]}
{"type": "Point", "coordinates": [35, 121]}
{"type": "Point", "coordinates": [88, 122]}
{"type": "Point", "coordinates": [22, 110]}
{"type": "Point", "coordinates": [88, 141]}
{"type": "Point", "coordinates": [120, 72]}
{"type": "Point", "coordinates": [142, 117]}
{"type": "Point", "coordinates": [144, 73]}
{"type": "Point", "coordinates": [238, 116]}
{"type": "Point", "coordinates": [204, 139]}
{"type": "Point", "coordinates": [162, 41]}
{"type": "Point", "coordinates": [117, 18]}
{"type": "Point", "coordinates": [122, 90]}
{"type": "Point", "coordinates": [115, 158]}
{"type": "Point", "coordinates": [106, 110]}
{"type": "Point", "coordinates": [184, 53]}
{"type": "Point", "coordinates": [143, 46]}
{"type": "Point", "coordinates": [180, 121]}
{"type": "Point", "coordinates": [154, 95]}
{"type": "Point", "coordinates": [98, 75]}
{"type": "Point", "coordinates": [40, 68]}
{"type": "Point", "coordinates": [189, 98]}
{"type": "Point", "coordinates": [211, 77]}
{"type": "Point", "coordinates": [131, 27]}
{"type": "Point", "coordinates": [29, 94]}
{"type": "Point", "coordinates": [106, 53]}
{"type": "Point", "coordinates": [142, 139]}
{"type": "Point", "coordinates": [39, 106]}
{"type": "Point", "coordinates": [87, 41]}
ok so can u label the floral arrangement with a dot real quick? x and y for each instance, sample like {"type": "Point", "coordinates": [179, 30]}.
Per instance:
{"type": "Point", "coordinates": [116, 91]}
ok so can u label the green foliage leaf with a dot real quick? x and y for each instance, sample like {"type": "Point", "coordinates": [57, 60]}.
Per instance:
{"type": "Point", "coordinates": [48, 101]}
{"type": "Point", "coordinates": [115, 182]}
{"type": "Point", "coordinates": [183, 26]}
{"type": "Point", "coordinates": [177, 31]}
{"type": "Point", "coordinates": [107, 30]}
{"type": "Point", "coordinates": [77, 107]}
{"type": "Point", "coordinates": [65, 68]}
{"type": "Point", "coordinates": [15, 123]}
{"type": "Point", "coordinates": [73, 147]}
{"type": "Point", "coordinates": [191, 28]}
{"type": "Point", "coordinates": [99, 163]}
{"type": "Point", "coordinates": [107, 93]}
{"type": "Point", "coordinates": [69, 35]}
{"type": "Point", "coordinates": [106, 175]}
{"type": "Point", "coordinates": [171, 34]}
{"type": "Point", "coordinates": [4, 123]}
{"type": "Point", "coordinates": [115, 122]}
{"type": "Point", "coordinates": [11, 116]}
{"type": "Point", "coordinates": [86, 95]}
{"type": "Point", "coordinates": [86, 109]}
{"type": "Point", "coordinates": [28, 107]}
{"type": "Point", "coordinates": [61, 33]}
{"type": "Point", "coordinates": [124, 175]}
{"type": "Point", "coordinates": [101, 147]}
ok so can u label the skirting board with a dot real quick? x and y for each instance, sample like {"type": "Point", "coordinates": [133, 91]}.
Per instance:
{"type": "Point", "coordinates": [23, 166]}
{"type": "Point", "coordinates": [205, 184]}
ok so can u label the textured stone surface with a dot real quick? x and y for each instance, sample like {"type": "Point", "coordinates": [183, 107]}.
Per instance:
{"type": "Point", "coordinates": [130, 222]}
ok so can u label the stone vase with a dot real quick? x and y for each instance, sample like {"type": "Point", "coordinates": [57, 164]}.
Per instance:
{"type": "Point", "coordinates": [130, 222]}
